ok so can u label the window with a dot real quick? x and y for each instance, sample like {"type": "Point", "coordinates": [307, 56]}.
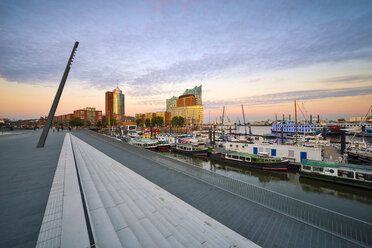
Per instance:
{"type": "Point", "coordinates": [236, 146]}
{"type": "Point", "coordinates": [363, 176]}
{"type": "Point", "coordinates": [344, 173]}
{"type": "Point", "coordinates": [248, 159]}
{"type": "Point", "coordinates": [230, 145]}
{"type": "Point", "coordinates": [306, 167]}
{"type": "Point", "coordinates": [318, 169]}
{"type": "Point", "coordinates": [332, 171]}
{"type": "Point", "coordinates": [243, 146]}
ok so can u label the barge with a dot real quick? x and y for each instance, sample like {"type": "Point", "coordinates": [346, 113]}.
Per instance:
{"type": "Point", "coordinates": [188, 148]}
{"type": "Point", "coordinates": [348, 174]}
{"type": "Point", "coordinates": [261, 161]}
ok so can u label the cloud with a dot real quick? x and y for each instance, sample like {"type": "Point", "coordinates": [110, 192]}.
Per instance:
{"type": "Point", "coordinates": [349, 79]}
{"type": "Point", "coordinates": [290, 96]}
{"type": "Point", "coordinates": [141, 47]}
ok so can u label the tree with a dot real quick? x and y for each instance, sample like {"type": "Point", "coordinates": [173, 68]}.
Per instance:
{"type": "Point", "coordinates": [175, 121]}
{"type": "Point", "coordinates": [76, 122]}
{"type": "Point", "coordinates": [178, 121]}
{"type": "Point", "coordinates": [181, 121]}
{"type": "Point", "coordinates": [99, 123]}
{"type": "Point", "coordinates": [147, 122]}
{"type": "Point", "coordinates": [157, 121]}
{"type": "Point", "coordinates": [89, 124]}
{"type": "Point", "coordinates": [139, 122]}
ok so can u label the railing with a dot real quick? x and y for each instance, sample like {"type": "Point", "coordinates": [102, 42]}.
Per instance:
{"type": "Point", "coordinates": [343, 226]}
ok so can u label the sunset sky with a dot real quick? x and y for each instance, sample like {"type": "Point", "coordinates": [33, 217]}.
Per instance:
{"type": "Point", "coordinates": [263, 54]}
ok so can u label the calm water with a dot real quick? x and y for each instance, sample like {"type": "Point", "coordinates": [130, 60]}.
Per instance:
{"type": "Point", "coordinates": [347, 200]}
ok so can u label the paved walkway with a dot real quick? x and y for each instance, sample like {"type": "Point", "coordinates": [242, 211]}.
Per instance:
{"type": "Point", "coordinates": [26, 175]}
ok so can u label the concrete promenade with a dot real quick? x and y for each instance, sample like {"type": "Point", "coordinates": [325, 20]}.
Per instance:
{"type": "Point", "coordinates": [26, 175]}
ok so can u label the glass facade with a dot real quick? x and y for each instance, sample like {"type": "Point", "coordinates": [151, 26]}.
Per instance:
{"type": "Point", "coordinates": [118, 102]}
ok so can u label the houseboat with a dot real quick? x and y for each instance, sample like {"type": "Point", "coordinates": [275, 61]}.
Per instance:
{"type": "Point", "coordinates": [349, 174]}
{"type": "Point", "coordinates": [189, 148]}
{"type": "Point", "coordinates": [261, 161]}
{"type": "Point", "coordinates": [293, 153]}
{"type": "Point", "coordinates": [363, 155]}
{"type": "Point", "coordinates": [163, 145]}
{"type": "Point", "coordinates": [145, 143]}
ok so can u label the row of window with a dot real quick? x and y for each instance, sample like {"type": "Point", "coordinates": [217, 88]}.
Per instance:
{"type": "Point", "coordinates": [341, 173]}
{"type": "Point", "coordinates": [246, 159]}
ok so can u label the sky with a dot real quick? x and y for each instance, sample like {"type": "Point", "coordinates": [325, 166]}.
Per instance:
{"type": "Point", "coordinates": [262, 54]}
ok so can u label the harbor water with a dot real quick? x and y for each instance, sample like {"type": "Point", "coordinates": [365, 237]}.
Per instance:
{"type": "Point", "coordinates": [351, 201]}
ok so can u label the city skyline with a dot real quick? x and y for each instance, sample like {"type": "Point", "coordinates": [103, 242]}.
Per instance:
{"type": "Point", "coordinates": [261, 54]}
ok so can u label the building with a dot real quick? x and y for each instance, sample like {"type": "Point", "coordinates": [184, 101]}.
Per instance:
{"type": "Point", "coordinates": [115, 104]}
{"type": "Point", "coordinates": [193, 115]}
{"type": "Point", "coordinates": [361, 119]}
{"type": "Point", "coordinates": [197, 92]}
{"type": "Point", "coordinates": [186, 100]}
{"type": "Point", "coordinates": [171, 103]}
{"type": "Point", "coordinates": [188, 105]}
{"type": "Point", "coordinates": [109, 104]}
{"type": "Point", "coordinates": [166, 117]}
{"type": "Point", "coordinates": [140, 116]}
{"type": "Point", "coordinates": [128, 120]}
{"type": "Point", "coordinates": [90, 115]}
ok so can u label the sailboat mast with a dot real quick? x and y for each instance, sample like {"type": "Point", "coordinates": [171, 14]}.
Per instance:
{"type": "Point", "coordinates": [245, 125]}
{"type": "Point", "coordinates": [276, 128]}
{"type": "Point", "coordinates": [296, 119]}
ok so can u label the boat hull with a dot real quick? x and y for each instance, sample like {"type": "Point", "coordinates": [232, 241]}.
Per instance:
{"type": "Point", "coordinates": [281, 166]}
{"type": "Point", "coordinates": [163, 147]}
{"type": "Point", "coordinates": [360, 157]}
{"type": "Point", "coordinates": [339, 180]}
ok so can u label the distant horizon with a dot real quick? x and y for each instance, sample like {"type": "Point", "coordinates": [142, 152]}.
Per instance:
{"type": "Point", "coordinates": [262, 54]}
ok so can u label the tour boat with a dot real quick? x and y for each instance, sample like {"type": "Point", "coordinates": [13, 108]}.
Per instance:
{"type": "Point", "coordinates": [349, 174]}
{"type": "Point", "coordinates": [144, 143]}
{"type": "Point", "coordinates": [163, 145]}
{"type": "Point", "coordinates": [189, 148]}
{"type": "Point", "coordinates": [261, 160]}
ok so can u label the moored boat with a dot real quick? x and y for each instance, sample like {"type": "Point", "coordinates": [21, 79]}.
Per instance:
{"type": "Point", "coordinates": [261, 161]}
{"type": "Point", "coordinates": [144, 143]}
{"type": "Point", "coordinates": [349, 174]}
{"type": "Point", "coordinates": [189, 148]}
{"type": "Point", "coordinates": [363, 155]}
{"type": "Point", "coordinates": [163, 145]}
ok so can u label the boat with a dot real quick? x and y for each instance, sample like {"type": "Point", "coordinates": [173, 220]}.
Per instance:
{"type": "Point", "coordinates": [363, 155]}
{"type": "Point", "coordinates": [261, 160]}
{"type": "Point", "coordinates": [145, 143]}
{"type": "Point", "coordinates": [348, 174]}
{"type": "Point", "coordinates": [189, 148]}
{"type": "Point", "coordinates": [290, 127]}
{"type": "Point", "coordinates": [163, 145]}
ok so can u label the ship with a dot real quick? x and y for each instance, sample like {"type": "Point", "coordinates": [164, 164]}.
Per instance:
{"type": "Point", "coordinates": [189, 148]}
{"type": "Point", "coordinates": [348, 174]}
{"type": "Point", "coordinates": [260, 161]}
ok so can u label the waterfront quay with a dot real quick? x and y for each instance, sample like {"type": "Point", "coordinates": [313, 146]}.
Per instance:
{"type": "Point", "coordinates": [244, 214]}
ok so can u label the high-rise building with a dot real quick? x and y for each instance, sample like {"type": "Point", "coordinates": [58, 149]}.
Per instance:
{"type": "Point", "coordinates": [109, 104]}
{"type": "Point", "coordinates": [115, 104]}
